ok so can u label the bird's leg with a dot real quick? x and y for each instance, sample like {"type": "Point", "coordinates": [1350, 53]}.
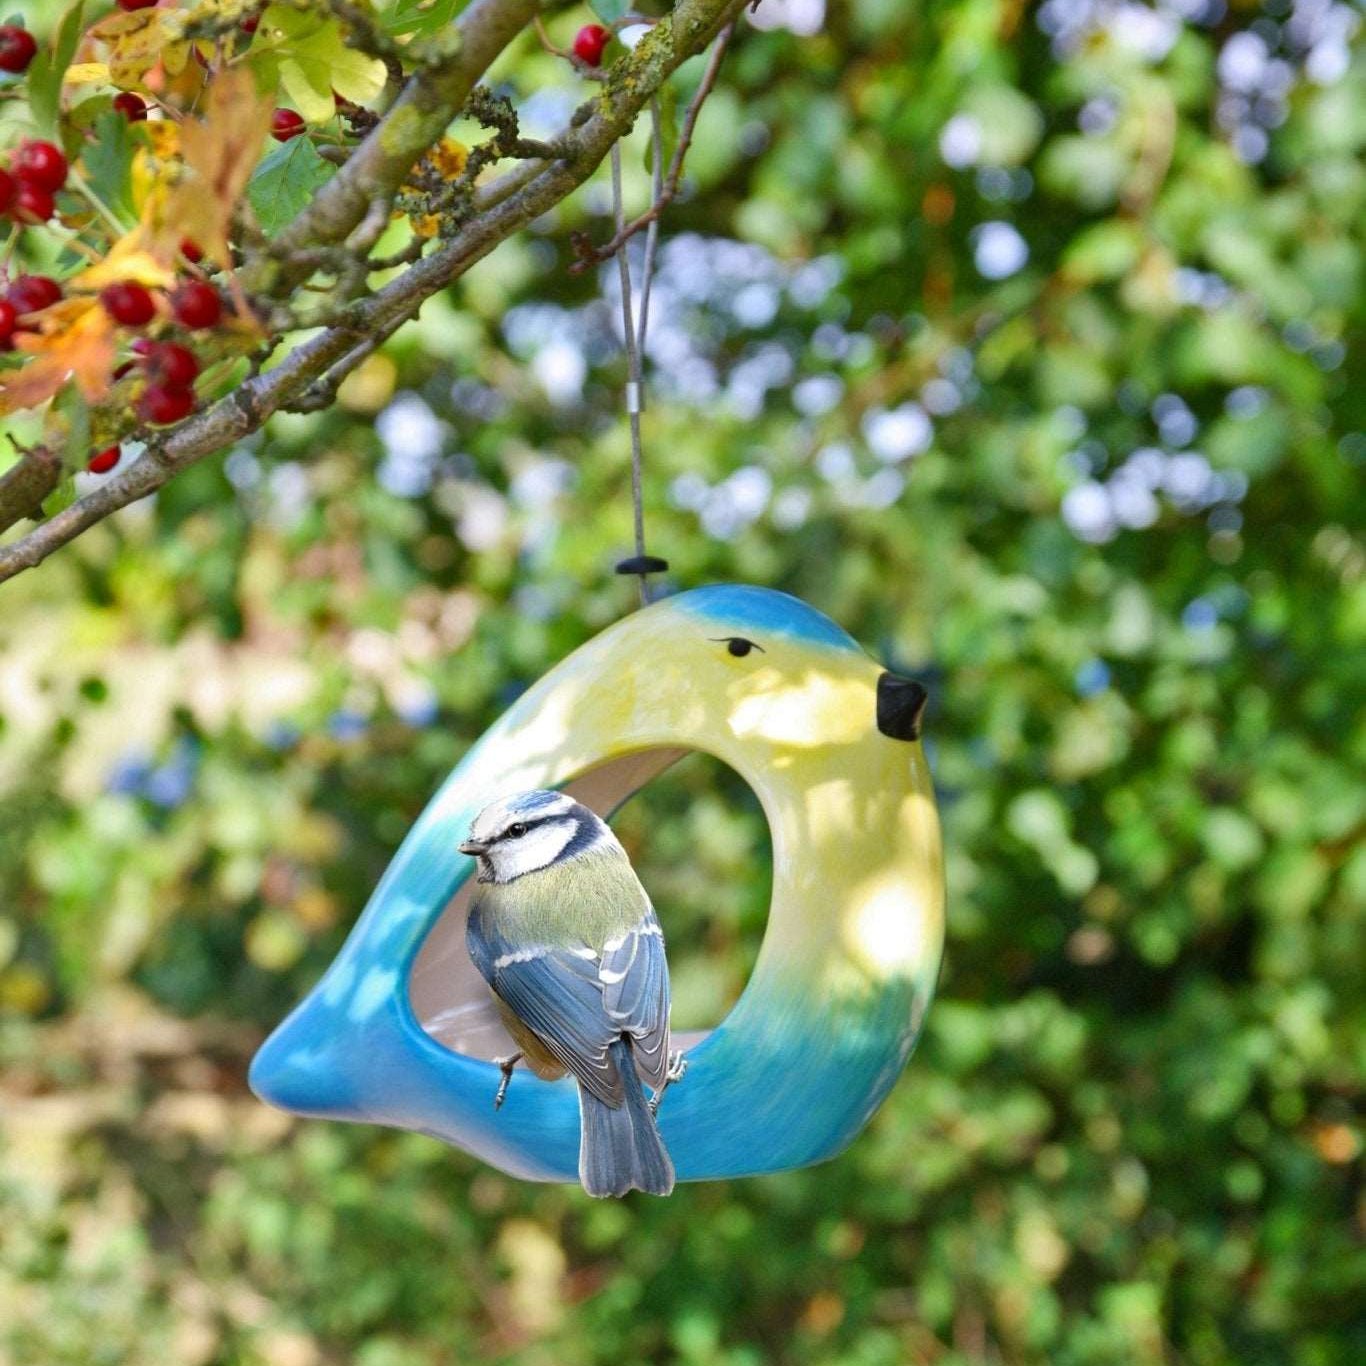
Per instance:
{"type": "Point", "coordinates": [505, 1066]}
{"type": "Point", "coordinates": [678, 1064]}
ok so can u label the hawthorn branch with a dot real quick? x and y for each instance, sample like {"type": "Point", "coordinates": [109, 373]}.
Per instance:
{"type": "Point", "coordinates": [505, 206]}
{"type": "Point", "coordinates": [25, 485]}
{"type": "Point", "coordinates": [379, 166]}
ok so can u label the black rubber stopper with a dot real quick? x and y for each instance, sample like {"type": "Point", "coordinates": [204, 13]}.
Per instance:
{"type": "Point", "coordinates": [643, 564]}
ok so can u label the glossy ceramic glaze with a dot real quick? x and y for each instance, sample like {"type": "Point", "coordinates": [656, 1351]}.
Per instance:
{"type": "Point", "coordinates": [400, 1029]}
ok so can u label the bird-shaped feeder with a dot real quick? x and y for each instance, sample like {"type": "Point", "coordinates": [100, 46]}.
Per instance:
{"type": "Point", "coordinates": [402, 1030]}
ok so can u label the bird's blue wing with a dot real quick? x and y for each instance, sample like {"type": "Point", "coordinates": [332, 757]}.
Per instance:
{"type": "Point", "coordinates": [635, 992]}
{"type": "Point", "coordinates": [555, 992]}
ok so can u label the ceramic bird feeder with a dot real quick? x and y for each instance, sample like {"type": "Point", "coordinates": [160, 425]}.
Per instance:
{"type": "Point", "coordinates": [401, 1030]}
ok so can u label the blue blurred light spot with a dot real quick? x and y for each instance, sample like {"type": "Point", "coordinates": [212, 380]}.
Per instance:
{"type": "Point", "coordinates": [419, 711]}
{"type": "Point", "coordinates": [346, 725]}
{"type": "Point", "coordinates": [128, 775]}
{"type": "Point", "coordinates": [1093, 677]}
{"type": "Point", "coordinates": [1200, 615]}
{"type": "Point", "coordinates": [281, 735]}
{"type": "Point", "coordinates": [169, 785]}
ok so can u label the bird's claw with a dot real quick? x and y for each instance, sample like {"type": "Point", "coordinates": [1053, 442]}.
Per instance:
{"type": "Point", "coordinates": [678, 1065]}
{"type": "Point", "coordinates": [505, 1066]}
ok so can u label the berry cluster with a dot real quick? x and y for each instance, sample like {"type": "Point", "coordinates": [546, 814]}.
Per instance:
{"type": "Point", "coordinates": [37, 170]}
{"type": "Point", "coordinates": [170, 368]}
{"type": "Point", "coordinates": [162, 365]}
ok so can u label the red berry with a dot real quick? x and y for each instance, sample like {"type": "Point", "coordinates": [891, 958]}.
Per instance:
{"type": "Point", "coordinates": [191, 251]}
{"type": "Point", "coordinates": [132, 107]}
{"type": "Point", "coordinates": [32, 204]}
{"type": "Point", "coordinates": [161, 405]}
{"type": "Point", "coordinates": [250, 24]}
{"type": "Point", "coordinates": [128, 6]}
{"type": "Point", "coordinates": [128, 303]}
{"type": "Point", "coordinates": [9, 315]}
{"type": "Point", "coordinates": [104, 461]}
{"type": "Point", "coordinates": [589, 43]}
{"type": "Point", "coordinates": [286, 124]}
{"type": "Point", "coordinates": [171, 365]}
{"type": "Point", "coordinates": [41, 164]}
{"type": "Point", "coordinates": [8, 189]}
{"type": "Point", "coordinates": [17, 48]}
{"type": "Point", "coordinates": [30, 293]}
{"type": "Point", "coordinates": [196, 305]}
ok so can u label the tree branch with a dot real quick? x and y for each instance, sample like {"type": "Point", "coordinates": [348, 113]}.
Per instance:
{"type": "Point", "coordinates": [379, 166]}
{"type": "Point", "coordinates": [507, 205]}
{"type": "Point", "coordinates": [24, 487]}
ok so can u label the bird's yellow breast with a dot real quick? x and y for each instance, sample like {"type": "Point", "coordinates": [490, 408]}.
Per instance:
{"type": "Point", "coordinates": [585, 900]}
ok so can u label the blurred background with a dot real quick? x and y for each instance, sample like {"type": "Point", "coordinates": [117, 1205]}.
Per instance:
{"type": "Point", "coordinates": [1020, 340]}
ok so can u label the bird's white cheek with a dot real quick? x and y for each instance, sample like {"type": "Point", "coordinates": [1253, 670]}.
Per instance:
{"type": "Point", "coordinates": [538, 848]}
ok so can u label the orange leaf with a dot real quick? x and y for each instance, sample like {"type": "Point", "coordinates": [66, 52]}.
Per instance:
{"type": "Point", "coordinates": [77, 343]}
{"type": "Point", "coordinates": [221, 152]}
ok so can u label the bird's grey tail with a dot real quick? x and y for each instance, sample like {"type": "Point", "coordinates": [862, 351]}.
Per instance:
{"type": "Point", "coordinates": [620, 1149]}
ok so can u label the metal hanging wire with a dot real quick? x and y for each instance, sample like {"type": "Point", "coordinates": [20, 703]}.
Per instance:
{"type": "Point", "coordinates": [640, 564]}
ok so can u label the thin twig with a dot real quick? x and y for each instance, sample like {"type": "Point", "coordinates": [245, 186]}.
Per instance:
{"type": "Point", "coordinates": [652, 235]}
{"type": "Point", "coordinates": [590, 255]}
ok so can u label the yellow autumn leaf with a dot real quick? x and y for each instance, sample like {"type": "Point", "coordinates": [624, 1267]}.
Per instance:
{"type": "Point", "coordinates": [127, 259]}
{"type": "Point", "coordinates": [163, 135]}
{"type": "Point", "coordinates": [221, 151]}
{"type": "Point", "coordinates": [87, 73]}
{"type": "Point", "coordinates": [139, 41]}
{"type": "Point", "coordinates": [78, 342]}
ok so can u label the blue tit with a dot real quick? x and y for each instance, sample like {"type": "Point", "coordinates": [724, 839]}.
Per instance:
{"type": "Point", "coordinates": [565, 936]}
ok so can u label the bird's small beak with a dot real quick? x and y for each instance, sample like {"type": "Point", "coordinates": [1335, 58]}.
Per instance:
{"type": "Point", "coordinates": [473, 848]}
{"type": "Point", "coordinates": [900, 705]}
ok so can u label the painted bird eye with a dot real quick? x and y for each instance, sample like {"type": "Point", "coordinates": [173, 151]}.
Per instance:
{"type": "Point", "coordinates": [516, 831]}
{"type": "Point", "coordinates": [738, 645]}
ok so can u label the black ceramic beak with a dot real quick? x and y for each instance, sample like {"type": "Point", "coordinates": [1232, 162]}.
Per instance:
{"type": "Point", "coordinates": [900, 705]}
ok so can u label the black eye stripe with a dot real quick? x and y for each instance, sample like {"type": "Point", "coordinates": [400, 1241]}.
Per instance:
{"type": "Point", "coordinates": [738, 646]}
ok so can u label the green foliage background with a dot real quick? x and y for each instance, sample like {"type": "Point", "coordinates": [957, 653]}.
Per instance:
{"type": "Point", "coordinates": [1131, 1131]}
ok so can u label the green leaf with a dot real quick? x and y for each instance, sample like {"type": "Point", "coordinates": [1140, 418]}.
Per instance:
{"type": "Point", "coordinates": [109, 163]}
{"type": "Point", "coordinates": [285, 181]}
{"type": "Point", "coordinates": [309, 57]}
{"type": "Point", "coordinates": [419, 18]}
{"type": "Point", "coordinates": [1106, 251]}
{"type": "Point", "coordinates": [60, 498]}
{"type": "Point", "coordinates": [609, 11]}
{"type": "Point", "coordinates": [69, 422]}
{"type": "Point", "coordinates": [48, 68]}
